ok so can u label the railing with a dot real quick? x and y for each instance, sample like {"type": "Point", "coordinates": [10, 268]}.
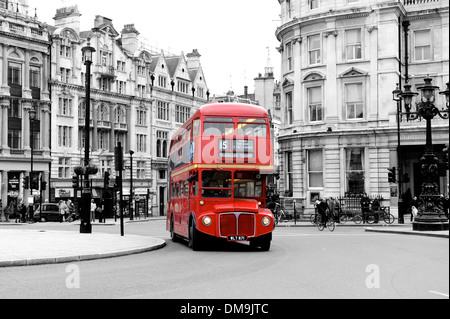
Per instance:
{"type": "Point", "coordinates": [352, 205]}
{"type": "Point", "coordinates": [413, 2]}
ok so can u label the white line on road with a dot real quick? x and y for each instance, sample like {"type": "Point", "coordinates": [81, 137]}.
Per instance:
{"type": "Point", "coordinates": [439, 293]}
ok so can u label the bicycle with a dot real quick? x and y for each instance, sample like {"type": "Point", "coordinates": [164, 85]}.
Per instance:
{"type": "Point", "coordinates": [356, 218]}
{"type": "Point", "coordinates": [330, 224]}
{"type": "Point", "coordinates": [280, 215]}
{"type": "Point", "coordinates": [387, 217]}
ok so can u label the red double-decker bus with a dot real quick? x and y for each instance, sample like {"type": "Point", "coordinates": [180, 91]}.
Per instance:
{"type": "Point", "coordinates": [218, 167]}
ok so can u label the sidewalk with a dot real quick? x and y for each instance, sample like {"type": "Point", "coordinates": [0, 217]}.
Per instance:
{"type": "Point", "coordinates": [25, 247]}
{"type": "Point", "coordinates": [402, 229]}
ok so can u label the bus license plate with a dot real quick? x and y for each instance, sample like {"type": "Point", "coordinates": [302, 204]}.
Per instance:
{"type": "Point", "coordinates": [237, 238]}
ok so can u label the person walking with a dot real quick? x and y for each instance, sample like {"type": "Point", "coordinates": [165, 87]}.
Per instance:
{"type": "Point", "coordinates": [63, 210]}
{"type": "Point", "coordinates": [71, 208]}
{"type": "Point", "coordinates": [93, 209]}
{"type": "Point", "coordinates": [414, 208]}
{"type": "Point", "coordinates": [365, 208]}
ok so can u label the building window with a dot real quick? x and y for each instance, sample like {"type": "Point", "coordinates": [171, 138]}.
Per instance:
{"type": "Point", "coordinates": [289, 160]}
{"type": "Point", "coordinates": [355, 171]}
{"type": "Point", "coordinates": [103, 113]}
{"type": "Point", "coordinates": [352, 1]}
{"type": "Point", "coordinates": [183, 87]}
{"type": "Point", "coordinates": [35, 77]}
{"type": "Point", "coordinates": [140, 170]}
{"type": "Point", "coordinates": [313, 4]}
{"type": "Point", "coordinates": [14, 139]}
{"type": "Point", "coordinates": [315, 168]}
{"type": "Point", "coordinates": [141, 117]}
{"type": "Point", "coordinates": [289, 108]}
{"type": "Point", "coordinates": [103, 140]}
{"type": "Point", "coordinates": [121, 87]}
{"type": "Point", "coordinates": [353, 44]}
{"type": "Point", "coordinates": [65, 107]}
{"type": "Point", "coordinates": [422, 45]}
{"type": "Point", "coordinates": [120, 115]}
{"type": "Point", "coordinates": [163, 111]}
{"type": "Point", "coordinates": [354, 101]}
{"type": "Point", "coordinates": [314, 49]}
{"type": "Point", "coordinates": [182, 114]}
{"type": "Point", "coordinates": [162, 81]}
{"type": "Point", "coordinates": [15, 111]}
{"type": "Point", "coordinates": [289, 59]}
{"type": "Point", "coordinates": [288, 9]}
{"type": "Point", "coordinates": [141, 145]}
{"type": "Point", "coordinates": [65, 75]}
{"type": "Point", "coordinates": [121, 66]}
{"type": "Point", "coordinates": [161, 144]}
{"type": "Point", "coordinates": [105, 167]}
{"type": "Point", "coordinates": [14, 73]}
{"type": "Point", "coordinates": [315, 104]}
{"type": "Point", "coordinates": [64, 166]}
{"type": "Point", "coordinates": [64, 136]}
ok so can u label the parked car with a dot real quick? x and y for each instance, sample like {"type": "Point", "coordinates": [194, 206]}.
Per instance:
{"type": "Point", "coordinates": [50, 213]}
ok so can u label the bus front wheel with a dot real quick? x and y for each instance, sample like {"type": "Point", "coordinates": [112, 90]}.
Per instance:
{"type": "Point", "coordinates": [173, 236]}
{"type": "Point", "coordinates": [194, 237]}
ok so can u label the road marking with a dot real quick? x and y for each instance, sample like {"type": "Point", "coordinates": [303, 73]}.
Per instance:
{"type": "Point", "coordinates": [439, 293]}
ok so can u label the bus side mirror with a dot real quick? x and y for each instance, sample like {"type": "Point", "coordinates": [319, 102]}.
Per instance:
{"type": "Point", "coordinates": [191, 178]}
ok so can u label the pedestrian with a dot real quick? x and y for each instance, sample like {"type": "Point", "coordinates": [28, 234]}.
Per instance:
{"type": "Point", "coordinates": [93, 209]}
{"type": "Point", "coordinates": [335, 208]}
{"type": "Point", "coordinates": [23, 212]}
{"type": "Point", "coordinates": [376, 209]}
{"type": "Point", "coordinates": [63, 210]}
{"type": "Point", "coordinates": [365, 207]}
{"type": "Point", "coordinates": [71, 208]}
{"type": "Point", "coordinates": [19, 212]}
{"type": "Point", "coordinates": [7, 212]}
{"type": "Point", "coordinates": [414, 208]}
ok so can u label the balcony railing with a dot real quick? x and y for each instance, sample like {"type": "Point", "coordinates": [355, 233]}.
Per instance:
{"type": "Point", "coordinates": [415, 2]}
{"type": "Point", "coordinates": [121, 127]}
{"type": "Point", "coordinates": [104, 124]}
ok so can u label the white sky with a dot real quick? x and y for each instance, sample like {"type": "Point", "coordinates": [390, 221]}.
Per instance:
{"type": "Point", "coordinates": [231, 35]}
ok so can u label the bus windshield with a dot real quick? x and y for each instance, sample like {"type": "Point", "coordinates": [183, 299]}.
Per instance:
{"type": "Point", "coordinates": [247, 185]}
{"type": "Point", "coordinates": [216, 184]}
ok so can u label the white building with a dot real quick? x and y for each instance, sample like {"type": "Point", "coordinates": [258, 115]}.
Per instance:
{"type": "Point", "coordinates": [341, 61]}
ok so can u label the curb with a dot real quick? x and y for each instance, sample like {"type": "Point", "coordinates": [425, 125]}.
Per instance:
{"type": "Point", "coordinates": [68, 259]}
{"type": "Point", "coordinates": [408, 232]}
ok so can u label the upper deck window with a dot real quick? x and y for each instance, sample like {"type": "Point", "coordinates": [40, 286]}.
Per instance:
{"type": "Point", "coordinates": [252, 127]}
{"type": "Point", "coordinates": [219, 126]}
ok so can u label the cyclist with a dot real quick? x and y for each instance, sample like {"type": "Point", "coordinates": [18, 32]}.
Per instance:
{"type": "Point", "coordinates": [323, 209]}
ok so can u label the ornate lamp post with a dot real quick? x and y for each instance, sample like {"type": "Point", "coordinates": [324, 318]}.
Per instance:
{"type": "Point", "coordinates": [32, 115]}
{"type": "Point", "coordinates": [131, 187]}
{"type": "Point", "coordinates": [431, 216]}
{"type": "Point", "coordinates": [86, 226]}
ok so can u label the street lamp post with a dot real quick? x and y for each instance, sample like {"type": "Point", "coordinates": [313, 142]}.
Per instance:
{"type": "Point", "coordinates": [131, 187]}
{"type": "Point", "coordinates": [401, 205]}
{"type": "Point", "coordinates": [32, 115]}
{"type": "Point", "coordinates": [431, 215]}
{"type": "Point", "coordinates": [86, 226]}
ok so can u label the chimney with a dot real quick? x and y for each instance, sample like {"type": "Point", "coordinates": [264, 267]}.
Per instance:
{"type": "Point", "coordinates": [99, 21]}
{"type": "Point", "coordinates": [68, 17]}
{"type": "Point", "coordinates": [246, 91]}
{"type": "Point", "coordinates": [193, 59]}
{"type": "Point", "coordinates": [130, 38]}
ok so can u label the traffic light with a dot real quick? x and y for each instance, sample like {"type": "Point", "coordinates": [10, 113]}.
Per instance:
{"type": "Point", "coordinates": [43, 186]}
{"type": "Point", "coordinates": [34, 184]}
{"type": "Point", "coordinates": [106, 181]}
{"type": "Point", "coordinates": [26, 182]}
{"type": "Point", "coordinates": [446, 157]}
{"type": "Point", "coordinates": [75, 182]}
{"type": "Point", "coordinates": [392, 175]}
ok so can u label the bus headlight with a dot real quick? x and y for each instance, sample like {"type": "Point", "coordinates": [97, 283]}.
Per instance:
{"type": "Point", "coordinates": [207, 221]}
{"type": "Point", "coordinates": [266, 221]}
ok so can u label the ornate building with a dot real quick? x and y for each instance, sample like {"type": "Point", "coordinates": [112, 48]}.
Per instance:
{"type": "Point", "coordinates": [138, 97]}
{"type": "Point", "coordinates": [341, 61]}
{"type": "Point", "coordinates": [24, 104]}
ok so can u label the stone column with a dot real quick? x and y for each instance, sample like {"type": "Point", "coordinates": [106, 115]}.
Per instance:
{"type": "Point", "coordinates": [5, 88]}
{"type": "Point", "coordinates": [26, 82]}
{"type": "Point", "coordinates": [4, 188]}
{"type": "Point", "coordinates": [26, 125]}
{"type": "Point", "coordinates": [94, 140]}
{"type": "Point", "coordinates": [4, 105]}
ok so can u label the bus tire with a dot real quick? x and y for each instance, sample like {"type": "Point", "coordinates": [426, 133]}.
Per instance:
{"type": "Point", "coordinates": [264, 243]}
{"type": "Point", "coordinates": [173, 236]}
{"type": "Point", "coordinates": [194, 237]}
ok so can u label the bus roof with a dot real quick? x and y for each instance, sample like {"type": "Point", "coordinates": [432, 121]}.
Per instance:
{"type": "Point", "coordinates": [226, 109]}
{"type": "Point", "coordinates": [232, 109]}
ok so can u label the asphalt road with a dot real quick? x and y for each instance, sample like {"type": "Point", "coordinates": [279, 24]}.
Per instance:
{"type": "Point", "coordinates": [302, 264]}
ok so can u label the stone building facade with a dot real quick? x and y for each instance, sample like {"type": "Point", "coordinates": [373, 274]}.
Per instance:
{"type": "Point", "coordinates": [341, 61]}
